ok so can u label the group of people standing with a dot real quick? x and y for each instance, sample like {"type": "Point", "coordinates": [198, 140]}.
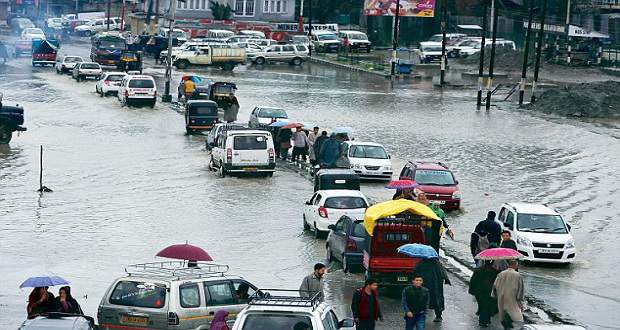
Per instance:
{"type": "Point", "coordinates": [314, 146]}
{"type": "Point", "coordinates": [497, 285]}
{"type": "Point", "coordinates": [41, 301]}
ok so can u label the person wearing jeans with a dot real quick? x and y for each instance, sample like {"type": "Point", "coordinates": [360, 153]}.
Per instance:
{"type": "Point", "coordinates": [415, 300]}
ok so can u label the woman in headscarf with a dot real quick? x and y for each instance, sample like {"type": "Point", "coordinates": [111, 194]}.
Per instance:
{"type": "Point", "coordinates": [39, 301]}
{"type": "Point", "coordinates": [66, 303]}
{"type": "Point", "coordinates": [219, 321]}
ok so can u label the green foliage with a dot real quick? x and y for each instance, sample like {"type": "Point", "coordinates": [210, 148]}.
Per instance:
{"type": "Point", "coordinates": [220, 11]}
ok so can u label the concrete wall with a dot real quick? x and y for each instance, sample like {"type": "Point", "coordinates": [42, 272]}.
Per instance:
{"type": "Point", "coordinates": [260, 13]}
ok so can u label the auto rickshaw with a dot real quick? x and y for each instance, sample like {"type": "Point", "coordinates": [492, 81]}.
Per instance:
{"type": "Point", "coordinates": [130, 61]}
{"type": "Point", "coordinates": [222, 93]}
{"type": "Point", "coordinates": [44, 52]}
{"type": "Point", "coordinates": [329, 179]}
{"type": "Point", "coordinates": [200, 115]}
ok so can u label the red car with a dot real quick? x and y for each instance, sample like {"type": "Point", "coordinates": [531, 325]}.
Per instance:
{"type": "Point", "coordinates": [23, 47]}
{"type": "Point", "coordinates": [437, 182]}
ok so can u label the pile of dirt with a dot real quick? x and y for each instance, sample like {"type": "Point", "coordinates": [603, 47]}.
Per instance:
{"type": "Point", "coordinates": [505, 59]}
{"type": "Point", "coordinates": [589, 100]}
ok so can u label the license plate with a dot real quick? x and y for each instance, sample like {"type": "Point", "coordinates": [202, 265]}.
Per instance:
{"type": "Point", "coordinates": [402, 279]}
{"type": "Point", "coordinates": [548, 251]}
{"type": "Point", "coordinates": [135, 320]}
{"type": "Point", "coordinates": [439, 202]}
{"type": "Point", "coordinates": [250, 169]}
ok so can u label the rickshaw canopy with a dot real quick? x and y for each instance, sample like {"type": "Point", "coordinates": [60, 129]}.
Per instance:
{"type": "Point", "coordinates": [394, 208]}
{"type": "Point", "coordinates": [201, 108]}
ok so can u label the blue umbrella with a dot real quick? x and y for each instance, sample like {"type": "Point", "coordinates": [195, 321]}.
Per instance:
{"type": "Point", "coordinates": [418, 251]}
{"type": "Point", "coordinates": [44, 280]}
{"type": "Point", "coordinates": [343, 130]}
{"type": "Point", "coordinates": [278, 124]}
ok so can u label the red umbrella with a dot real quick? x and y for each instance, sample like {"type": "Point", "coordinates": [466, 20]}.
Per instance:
{"type": "Point", "coordinates": [498, 254]}
{"type": "Point", "coordinates": [401, 184]}
{"type": "Point", "coordinates": [184, 252]}
{"type": "Point", "coordinates": [293, 125]}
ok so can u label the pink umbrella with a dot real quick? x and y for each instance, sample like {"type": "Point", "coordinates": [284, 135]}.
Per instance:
{"type": "Point", "coordinates": [292, 125]}
{"type": "Point", "coordinates": [184, 252]}
{"type": "Point", "coordinates": [401, 184]}
{"type": "Point", "coordinates": [498, 254]}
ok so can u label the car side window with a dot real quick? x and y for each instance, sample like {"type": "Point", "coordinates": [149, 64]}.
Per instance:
{"type": "Point", "coordinates": [510, 219]}
{"type": "Point", "coordinates": [288, 48]}
{"type": "Point", "coordinates": [189, 295]}
{"type": "Point", "coordinates": [243, 291]}
{"type": "Point", "coordinates": [330, 321]}
{"type": "Point", "coordinates": [502, 215]}
{"type": "Point", "coordinates": [339, 226]}
{"type": "Point", "coordinates": [218, 293]}
{"type": "Point", "coordinates": [317, 199]}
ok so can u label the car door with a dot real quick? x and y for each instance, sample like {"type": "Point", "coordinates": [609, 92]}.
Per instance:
{"type": "Point", "coordinates": [313, 210]}
{"type": "Point", "coordinates": [219, 295]}
{"type": "Point", "coordinates": [340, 240]}
{"type": "Point", "coordinates": [510, 222]}
{"type": "Point", "coordinates": [309, 209]}
{"type": "Point", "coordinates": [288, 52]}
{"type": "Point", "coordinates": [191, 305]}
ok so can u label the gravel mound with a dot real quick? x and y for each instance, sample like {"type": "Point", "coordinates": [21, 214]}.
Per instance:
{"type": "Point", "coordinates": [589, 100]}
{"type": "Point", "coordinates": [505, 59]}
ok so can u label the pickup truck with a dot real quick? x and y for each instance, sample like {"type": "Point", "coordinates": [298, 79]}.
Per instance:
{"type": "Point", "coordinates": [223, 56]}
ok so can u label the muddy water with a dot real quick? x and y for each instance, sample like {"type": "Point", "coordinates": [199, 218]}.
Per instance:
{"type": "Point", "coordinates": [127, 182]}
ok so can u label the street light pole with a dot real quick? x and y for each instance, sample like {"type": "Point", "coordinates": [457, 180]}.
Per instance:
{"type": "Point", "coordinates": [485, 6]}
{"type": "Point", "coordinates": [167, 97]}
{"type": "Point", "coordinates": [300, 22]}
{"type": "Point", "coordinates": [539, 50]}
{"type": "Point", "coordinates": [395, 38]}
{"type": "Point", "coordinates": [444, 57]}
{"type": "Point", "coordinates": [309, 27]}
{"type": "Point", "coordinates": [109, 9]}
{"type": "Point", "coordinates": [567, 31]}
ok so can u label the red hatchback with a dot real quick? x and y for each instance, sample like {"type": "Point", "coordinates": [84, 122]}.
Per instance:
{"type": "Point", "coordinates": [437, 182]}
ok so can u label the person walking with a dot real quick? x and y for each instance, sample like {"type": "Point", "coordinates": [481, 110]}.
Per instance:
{"type": "Point", "coordinates": [284, 140]}
{"type": "Point", "coordinates": [188, 89]}
{"type": "Point", "coordinates": [365, 306]}
{"type": "Point", "coordinates": [509, 290]}
{"type": "Point", "coordinates": [329, 152]}
{"type": "Point", "coordinates": [313, 283]}
{"type": "Point", "coordinates": [4, 53]}
{"type": "Point", "coordinates": [318, 144]}
{"type": "Point", "coordinates": [300, 143]}
{"type": "Point", "coordinates": [434, 276]}
{"type": "Point", "coordinates": [231, 110]}
{"type": "Point", "coordinates": [507, 241]}
{"type": "Point", "coordinates": [480, 286]}
{"type": "Point", "coordinates": [219, 320]}
{"type": "Point", "coordinates": [311, 142]}
{"type": "Point", "coordinates": [491, 228]}
{"type": "Point", "coordinates": [130, 41]}
{"type": "Point", "coordinates": [415, 300]}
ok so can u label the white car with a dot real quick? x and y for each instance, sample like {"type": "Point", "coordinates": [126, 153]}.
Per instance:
{"type": "Point", "coordinates": [54, 23]}
{"type": "Point", "coordinates": [356, 39]}
{"type": "Point", "coordinates": [325, 41]}
{"type": "Point", "coordinates": [250, 48]}
{"type": "Point", "coordinates": [109, 83]}
{"type": "Point", "coordinates": [540, 232]}
{"type": "Point", "coordinates": [264, 116]}
{"type": "Point", "coordinates": [327, 206]}
{"type": "Point", "coordinates": [137, 89]}
{"type": "Point", "coordinates": [67, 63]}
{"type": "Point", "coordinates": [253, 33]}
{"type": "Point", "coordinates": [430, 51]}
{"type": "Point", "coordinates": [243, 151]}
{"type": "Point", "coordinates": [288, 309]}
{"type": "Point", "coordinates": [98, 25]}
{"type": "Point", "coordinates": [33, 33]}
{"type": "Point", "coordinates": [292, 54]}
{"type": "Point", "coordinates": [369, 160]}
{"type": "Point", "coordinates": [59, 321]}
{"type": "Point", "coordinates": [85, 70]}
{"type": "Point", "coordinates": [262, 42]}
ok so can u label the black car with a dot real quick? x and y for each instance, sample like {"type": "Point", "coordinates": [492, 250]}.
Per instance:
{"type": "Point", "coordinates": [11, 119]}
{"type": "Point", "coordinates": [327, 179]}
{"type": "Point", "coordinates": [346, 242]}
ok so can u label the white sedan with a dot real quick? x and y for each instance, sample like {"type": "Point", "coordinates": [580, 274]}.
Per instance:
{"type": "Point", "coordinates": [327, 206]}
{"type": "Point", "coordinates": [109, 83]}
{"type": "Point", "coordinates": [368, 160]}
{"type": "Point", "coordinates": [33, 33]}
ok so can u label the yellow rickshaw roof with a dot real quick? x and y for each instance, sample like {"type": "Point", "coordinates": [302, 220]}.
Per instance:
{"type": "Point", "coordinates": [395, 207]}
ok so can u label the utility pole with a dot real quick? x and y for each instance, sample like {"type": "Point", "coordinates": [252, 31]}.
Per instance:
{"type": "Point", "coordinates": [539, 49]}
{"type": "Point", "coordinates": [444, 57]}
{"type": "Point", "coordinates": [492, 61]}
{"type": "Point", "coordinates": [526, 54]}
{"type": "Point", "coordinates": [77, 10]}
{"type": "Point", "coordinates": [109, 9]}
{"type": "Point", "coordinates": [300, 22]}
{"type": "Point", "coordinates": [492, 16]}
{"type": "Point", "coordinates": [395, 38]}
{"type": "Point", "coordinates": [309, 27]}
{"type": "Point", "coordinates": [567, 31]}
{"type": "Point", "coordinates": [485, 7]}
{"type": "Point", "coordinates": [167, 97]}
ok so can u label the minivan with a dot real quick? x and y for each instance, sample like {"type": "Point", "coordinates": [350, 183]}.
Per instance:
{"type": "Point", "coordinates": [243, 151]}
{"type": "Point", "coordinates": [138, 88]}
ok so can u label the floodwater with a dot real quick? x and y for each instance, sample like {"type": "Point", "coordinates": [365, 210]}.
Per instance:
{"type": "Point", "coordinates": [128, 182]}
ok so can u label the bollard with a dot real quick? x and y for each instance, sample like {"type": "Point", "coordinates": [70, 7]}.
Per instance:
{"type": "Point", "coordinates": [42, 188]}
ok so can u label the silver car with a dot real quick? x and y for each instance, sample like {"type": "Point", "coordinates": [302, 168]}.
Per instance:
{"type": "Point", "coordinates": [84, 70]}
{"type": "Point", "coordinates": [165, 295]}
{"type": "Point", "coordinates": [293, 54]}
{"type": "Point", "coordinates": [60, 321]}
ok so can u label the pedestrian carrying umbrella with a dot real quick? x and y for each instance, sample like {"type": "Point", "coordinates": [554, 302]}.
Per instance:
{"type": "Point", "coordinates": [43, 280]}
{"type": "Point", "coordinates": [498, 254]}
{"type": "Point", "coordinates": [402, 184]}
{"type": "Point", "coordinates": [184, 252]}
{"type": "Point", "coordinates": [278, 124]}
{"type": "Point", "coordinates": [416, 250]}
{"type": "Point", "coordinates": [293, 125]}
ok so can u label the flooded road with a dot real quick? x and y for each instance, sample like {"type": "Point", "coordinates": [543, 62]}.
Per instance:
{"type": "Point", "coordinates": [127, 182]}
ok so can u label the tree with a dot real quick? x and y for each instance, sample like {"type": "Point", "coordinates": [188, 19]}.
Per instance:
{"type": "Point", "coordinates": [220, 11]}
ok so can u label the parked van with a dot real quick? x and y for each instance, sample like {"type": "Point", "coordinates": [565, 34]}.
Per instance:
{"type": "Point", "coordinates": [355, 40]}
{"type": "Point", "coordinates": [220, 34]}
{"type": "Point", "coordinates": [325, 41]}
{"type": "Point", "coordinates": [243, 151]}
{"type": "Point", "coordinates": [172, 295]}
{"type": "Point", "coordinates": [138, 88]}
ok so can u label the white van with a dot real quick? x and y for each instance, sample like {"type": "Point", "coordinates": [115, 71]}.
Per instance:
{"type": "Point", "coordinates": [540, 232]}
{"type": "Point", "coordinates": [219, 34]}
{"type": "Point", "coordinates": [136, 89]}
{"type": "Point", "coordinates": [356, 40]}
{"type": "Point", "coordinates": [243, 151]}
{"type": "Point", "coordinates": [325, 41]}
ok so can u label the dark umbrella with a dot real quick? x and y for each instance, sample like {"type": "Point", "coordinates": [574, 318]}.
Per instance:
{"type": "Point", "coordinates": [184, 252]}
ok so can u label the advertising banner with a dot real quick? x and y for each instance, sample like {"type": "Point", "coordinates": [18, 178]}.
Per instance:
{"type": "Point", "coordinates": [411, 8]}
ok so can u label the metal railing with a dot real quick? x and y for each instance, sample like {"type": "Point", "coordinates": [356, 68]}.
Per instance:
{"type": "Point", "coordinates": [288, 298]}
{"type": "Point", "coordinates": [176, 270]}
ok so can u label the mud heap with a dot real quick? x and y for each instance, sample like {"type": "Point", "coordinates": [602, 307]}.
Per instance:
{"type": "Point", "coordinates": [505, 59]}
{"type": "Point", "coordinates": [589, 100]}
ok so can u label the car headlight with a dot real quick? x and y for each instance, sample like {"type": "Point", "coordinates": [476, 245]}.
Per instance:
{"type": "Point", "coordinates": [570, 244]}
{"type": "Point", "coordinates": [356, 166]}
{"type": "Point", "coordinates": [388, 168]}
{"type": "Point", "coordinates": [456, 195]}
{"type": "Point", "coordinates": [524, 241]}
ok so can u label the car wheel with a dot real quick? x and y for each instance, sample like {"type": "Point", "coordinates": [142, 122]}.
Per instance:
{"type": "Point", "coordinates": [57, 71]}
{"type": "Point", "coordinates": [211, 165]}
{"type": "Point", "coordinates": [306, 225]}
{"type": "Point", "coordinates": [5, 134]}
{"type": "Point", "coordinates": [181, 64]}
{"type": "Point", "coordinates": [221, 171]}
{"type": "Point", "coordinates": [152, 104]}
{"type": "Point", "coordinates": [297, 61]}
{"type": "Point", "coordinates": [329, 256]}
{"type": "Point", "coordinates": [260, 61]}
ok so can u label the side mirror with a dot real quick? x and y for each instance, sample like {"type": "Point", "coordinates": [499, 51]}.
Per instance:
{"type": "Point", "coordinates": [331, 227]}
{"type": "Point", "coordinates": [569, 227]}
{"type": "Point", "coordinates": [456, 181]}
{"type": "Point", "coordinates": [346, 323]}
{"type": "Point", "coordinates": [308, 203]}
{"type": "Point", "coordinates": [389, 156]}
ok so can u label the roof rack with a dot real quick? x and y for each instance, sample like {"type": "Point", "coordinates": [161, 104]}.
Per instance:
{"type": "Point", "coordinates": [176, 270]}
{"type": "Point", "coordinates": [283, 297]}
{"type": "Point", "coordinates": [440, 163]}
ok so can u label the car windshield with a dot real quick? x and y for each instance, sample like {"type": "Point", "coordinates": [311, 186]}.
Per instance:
{"type": "Point", "coordinates": [541, 223]}
{"type": "Point", "coordinates": [431, 48]}
{"type": "Point", "coordinates": [34, 31]}
{"type": "Point", "coordinates": [345, 203]}
{"type": "Point", "coordinates": [359, 230]}
{"type": "Point", "coordinates": [358, 36]}
{"type": "Point", "coordinates": [327, 37]}
{"type": "Point", "coordinates": [204, 110]}
{"type": "Point", "coordinates": [434, 178]}
{"type": "Point", "coordinates": [272, 113]}
{"type": "Point", "coordinates": [138, 294]}
{"type": "Point", "coordinates": [73, 59]}
{"type": "Point", "coordinates": [90, 66]}
{"type": "Point", "coordinates": [361, 151]}
{"type": "Point", "coordinates": [112, 44]}
{"type": "Point", "coordinates": [277, 321]}
{"type": "Point", "coordinates": [141, 83]}
{"type": "Point", "coordinates": [115, 77]}
{"type": "Point", "coordinates": [250, 142]}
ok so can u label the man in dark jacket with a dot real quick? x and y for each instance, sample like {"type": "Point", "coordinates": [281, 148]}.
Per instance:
{"type": "Point", "coordinates": [491, 228]}
{"type": "Point", "coordinates": [318, 142]}
{"type": "Point", "coordinates": [434, 276]}
{"type": "Point", "coordinates": [480, 286]}
{"type": "Point", "coordinates": [415, 303]}
{"type": "Point", "coordinates": [329, 152]}
{"type": "Point", "coordinates": [507, 241]}
{"type": "Point", "coordinates": [365, 306]}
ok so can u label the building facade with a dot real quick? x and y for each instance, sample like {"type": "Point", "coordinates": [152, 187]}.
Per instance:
{"type": "Point", "coordinates": [244, 10]}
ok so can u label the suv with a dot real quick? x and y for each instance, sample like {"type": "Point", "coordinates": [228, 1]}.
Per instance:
{"type": "Point", "coordinates": [346, 242]}
{"type": "Point", "coordinates": [137, 88]}
{"type": "Point", "coordinates": [243, 151]}
{"type": "Point", "coordinates": [355, 40]}
{"type": "Point", "coordinates": [59, 321]}
{"type": "Point", "coordinates": [540, 232]}
{"type": "Point", "coordinates": [293, 54]}
{"type": "Point", "coordinates": [66, 63]}
{"type": "Point", "coordinates": [325, 41]}
{"type": "Point", "coordinates": [84, 70]}
{"type": "Point", "coordinates": [172, 295]}
{"type": "Point", "coordinates": [288, 309]}
{"type": "Point", "coordinates": [436, 180]}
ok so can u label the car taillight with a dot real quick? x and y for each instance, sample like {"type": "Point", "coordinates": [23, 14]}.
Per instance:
{"type": "Point", "coordinates": [126, 93]}
{"type": "Point", "coordinates": [173, 318]}
{"type": "Point", "coordinates": [323, 212]}
{"type": "Point", "coordinates": [229, 155]}
{"type": "Point", "coordinates": [351, 245]}
{"type": "Point", "coordinates": [154, 93]}
{"type": "Point", "coordinates": [272, 155]}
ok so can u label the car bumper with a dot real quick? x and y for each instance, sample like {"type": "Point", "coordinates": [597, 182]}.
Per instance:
{"type": "Point", "coordinates": [200, 127]}
{"type": "Point", "coordinates": [322, 224]}
{"type": "Point", "coordinates": [450, 204]}
{"type": "Point", "coordinates": [377, 175]}
{"type": "Point", "coordinates": [354, 258]}
{"type": "Point", "coordinates": [250, 168]}
{"type": "Point", "coordinates": [392, 278]}
{"type": "Point", "coordinates": [141, 97]}
{"type": "Point", "coordinates": [562, 256]}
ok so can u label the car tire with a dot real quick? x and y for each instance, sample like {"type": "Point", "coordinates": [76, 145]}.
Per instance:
{"type": "Point", "coordinates": [260, 60]}
{"type": "Point", "coordinates": [269, 174]}
{"type": "Point", "coordinates": [306, 225]}
{"type": "Point", "coordinates": [181, 64]}
{"type": "Point", "coordinates": [152, 104]}
{"type": "Point", "coordinates": [297, 61]}
{"type": "Point", "coordinates": [221, 171]}
{"type": "Point", "coordinates": [57, 71]}
{"type": "Point", "coordinates": [329, 256]}
{"type": "Point", "coordinates": [5, 134]}
{"type": "Point", "coordinates": [228, 67]}
{"type": "Point", "coordinates": [211, 164]}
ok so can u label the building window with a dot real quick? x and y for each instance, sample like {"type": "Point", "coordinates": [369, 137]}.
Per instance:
{"type": "Point", "coordinates": [275, 6]}
{"type": "Point", "coordinates": [244, 7]}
